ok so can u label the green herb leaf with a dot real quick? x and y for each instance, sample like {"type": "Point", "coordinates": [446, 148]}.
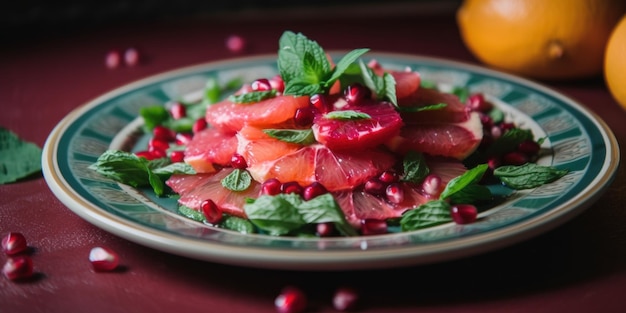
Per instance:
{"type": "Point", "coordinates": [509, 141]}
{"type": "Point", "coordinates": [300, 60]}
{"type": "Point", "coordinates": [191, 213]}
{"type": "Point", "coordinates": [415, 167]}
{"type": "Point", "coordinates": [384, 87]}
{"type": "Point", "coordinates": [430, 107]}
{"type": "Point", "coordinates": [459, 183]}
{"type": "Point", "coordinates": [18, 158]}
{"type": "Point", "coordinates": [472, 194]}
{"type": "Point", "coordinates": [238, 224]}
{"type": "Point", "coordinates": [390, 89]}
{"type": "Point", "coordinates": [278, 215]}
{"type": "Point", "coordinates": [529, 175]}
{"type": "Point", "coordinates": [237, 180]}
{"type": "Point", "coordinates": [153, 116]}
{"type": "Point", "coordinates": [212, 92]}
{"type": "Point", "coordinates": [174, 168]}
{"type": "Point", "coordinates": [252, 97]}
{"type": "Point", "coordinates": [297, 136]}
{"type": "Point", "coordinates": [344, 64]}
{"type": "Point", "coordinates": [123, 167]}
{"type": "Point", "coordinates": [430, 214]}
{"type": "Point", "coordinates": [324, 209]}
{"type": "Point", "coordinates": [461, 92]}
{"type": "Point", "coordinates": [347, 115]}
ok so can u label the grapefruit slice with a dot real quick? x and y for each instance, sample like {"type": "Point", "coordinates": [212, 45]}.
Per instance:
{"type": "Point", "coordinates": [407, 83]}
{"type": "Point", "coordinates": [448, 139]}
{"type": "Point", "coordinates": [257, 147]}
{"type": "Point", "coordinates": [336, 170]}
{"type": "Point", "coordinates": [341, 134]}
{"type": "Point", "coordinates": [228, 116]}
{"type": "Point", "coordinates": [454, 111]}
{"type": "Point", "coordinates": [208, 148]}
{"type": "Point", "coordinates": [193, 189]}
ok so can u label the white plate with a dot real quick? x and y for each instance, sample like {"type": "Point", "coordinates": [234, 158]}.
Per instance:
{"type": "Point", "coordinates": [577, 138]}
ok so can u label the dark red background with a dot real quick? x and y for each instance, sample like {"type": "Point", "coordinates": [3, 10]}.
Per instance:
{"type": "Point", "coordinates": [46, 73]}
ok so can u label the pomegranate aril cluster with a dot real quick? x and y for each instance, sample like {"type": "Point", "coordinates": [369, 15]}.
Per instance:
{"type": "Point", "coordinates": [129, 57]}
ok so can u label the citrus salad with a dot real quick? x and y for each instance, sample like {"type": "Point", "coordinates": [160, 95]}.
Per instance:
{"type": "Point", "coordinates": [329, 148]}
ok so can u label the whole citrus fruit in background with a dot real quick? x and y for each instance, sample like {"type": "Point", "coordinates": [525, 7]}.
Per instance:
{"type": "Point", "coordinates": [615, 63]}
{"type": "Point", "coordinates": [544, 39]}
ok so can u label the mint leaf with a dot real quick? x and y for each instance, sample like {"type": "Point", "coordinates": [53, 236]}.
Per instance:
{"type": "Point", "coordinates": [344, 64]}
{"type": "Point", "coordinates": [430, 214]}
{"type": "Point", "coordinates": [529, 175]}
{"type": "Point", "coordinates": [459, 183]}
{"type": "Point", "coordinates": [212, 92]}
{"type": "Point", "coordinates": [509, 141]}
{"type": "Point", "coordinates": [347, 115]}
{"type": "Point", "coordinates": [174, 168]}
{"type": "Point", "coordinates": [278, 215]}
{"type": "Point", "coordinates": [237, 180]}
{"type": "Point", "coordinates": [324, 209]}
{"type": "Point", "coordinates": [238, 224]}
{"type": "Point", "coordinates": [191, 213]}
{"type": "Point", "coordinates": [415, 167]}
{"type": "Point", "coordinates": [297, 136]}
{"type": "Point", "coordinates": [430, 107]}
{"type": "Point", "coordinates": [384, 87]}
{"type": "Point", "coordinates": [471, 194]}
{"type": "Point", "coordinates": [461, 92]}
{"type": "Point", "coordinates": [300, 58]}
{"type": "Point", "coordinates": [18, 158]}
{"type": "Point", "coordinates": [252, 97]}
{"type": "Point", "coordinates": [153, 116]}
{"type": "Point", "coordinates": [123, 167]}
{"type": "Point", "coordinates": [390, 89]}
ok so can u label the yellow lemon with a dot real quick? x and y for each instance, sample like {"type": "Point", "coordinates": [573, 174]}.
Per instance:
{"type": "Point", "coordinates": [615, 63]}
{"type": "Point", "coordinates": [543, 39]}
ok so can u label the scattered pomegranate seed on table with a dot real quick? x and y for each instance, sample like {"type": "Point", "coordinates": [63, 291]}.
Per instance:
{"type": "Point", "coordinates": [18, 267]}
{"type": "Point", "coordinates": [235, 43]}
{"type": "Point", "coordinates": [103, 259]}
{"type": "Point", "coordinates": [14, 243]}
{"type": "Point", "coordinates": [345, 299]}
{"type": "Point", "coordinates": [131, 57]}
{"type": "Point", "coordinates": [112, 59]}
{"type": "Point", "coordinates": [290, 300]}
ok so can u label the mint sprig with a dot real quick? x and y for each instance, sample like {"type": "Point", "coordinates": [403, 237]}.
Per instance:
{"type": "Point", "coordinates": [304, 67]}
{"type": "Point", "coordinates": [383, 86]}
{"type": "Point", "coordinates": [529, 175]}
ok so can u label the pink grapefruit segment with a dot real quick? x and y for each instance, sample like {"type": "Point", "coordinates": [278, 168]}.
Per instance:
{"type": "Point", "coordinates": [456, 140]}
{"type": "Point", "coordinates": [454, 111]}
{"type": "Point", "coordinates": [342, 134]}
{"type": "Point", "coordinates": [208, 148]}
{"type": "Point", "coordinates": [228, 116]}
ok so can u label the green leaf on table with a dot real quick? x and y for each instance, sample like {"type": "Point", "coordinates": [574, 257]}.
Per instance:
{"type": "Point", "coordinates": [18, 158]}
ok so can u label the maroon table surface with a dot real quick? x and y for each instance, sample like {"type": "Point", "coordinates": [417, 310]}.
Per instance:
{"type": "Point", "coordinates": [579, 266]}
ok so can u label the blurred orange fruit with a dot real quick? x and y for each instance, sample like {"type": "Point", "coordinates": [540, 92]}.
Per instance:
{"type": "Point", "coordinates": [615, 63]}
{"type": "Point", "coordinates": [555, 39]}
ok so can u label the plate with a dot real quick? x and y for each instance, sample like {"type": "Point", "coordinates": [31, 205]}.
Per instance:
{"type": "Point", "coordinates": [575, 137]}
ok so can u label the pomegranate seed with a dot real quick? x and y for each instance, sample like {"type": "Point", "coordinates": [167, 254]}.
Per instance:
{"type": "Point", "coordinates": [486, 121]}
{"type": "Point", "coordinates": [320, 102]}
{"type": "Point", "coordinates": [345, 299]}
{"type": "Point", "coordinates": [261, 84]}
{"type": "Point", "coordinates": [157, 153]}
{"type": "Point", "coordinates": [290, 300]}
{"type": "Point", "coordinates": [183, 139]}
{"type": "Point", "coordinates": [145, 154]}
{"type": "Point", "coordinates": [495, 132]}
{"type": "Point", "coordinates": [529, 147]}
{"type": "Point", "coordinates": [159, 144]}
{"type": "Point", "coordinates": [493, 163]}
{"type": "Point", "coordinates": [103, 259]}
{"type": "Point", "coordinates": [18, 267]}
{"type": "Point", "coordinates": [112, 59]}
{"type": "Point", "coordinates": [238, 161]}
{"type": "Point", "coordinates": [14, 243]}
{"type": "Point", "coordinates": [277, 83]}
{"type": "Point", "coordinates": [464, 213]}
{"type": "Point", "coordinates": [313, 190]}
{"type": "Point", "coordinates": [388, 177]}
{"type": "Point", "coordinates": [373, 227]}
{"type": "Point", "coordinates": [211, 211]}
{"type": "Point", "coordinates": [476, 102]}
{"type": "Point", "coordinates": [325, 229]}
{"type": "Point", "coordinates": [374, 64]}
{"type": "Point", "coordinates": [395, 193]}
{"type": "Point", "coordinates": [506, 126]}
{"type": "Point", "coordinates": [177, 156]}
{"type": "Point", "coordinates": [355, 93]}
{"type": "Point", "coordinates": [271, 187]}
{"type": "Point", "coordinates": [131, 57]}
{"type": "Point", "coordinates": [515, 158]}
{"type": "Point", "coordinates": [199, 125]}
{"type": "Point", "coordinates": [235, 44]}
{"type": "Point", "coordinates": [374, 186]}
{"type": "Point", "coordinates": [291, 187]}
{"type": "Point", "coordinates": [178, 110]}
{"type": "Point", "coordinates": [304, 116]}
{"type": "Point", "coordinates": [163, 133]}
{"type": "Point", "coordinates": [432, 185]}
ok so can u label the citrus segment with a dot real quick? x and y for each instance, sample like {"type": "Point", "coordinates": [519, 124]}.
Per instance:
{"type": "Point", "coordinates": [193, 189]}
{"type": "Point", "coordinates": [407, 83]}
{"type": "Point", "coordinates": [382, 122]}
{"type": "Point", "coordinates": [453, 111]}
{"type": "Point", "coordinates": [208, 148]}
{"type": "Point", "coordinates": [256, 146]}
{"type": "Point", "coordinates": [456, 140]}
{"type": "Point", "coordinates": [229, 116]}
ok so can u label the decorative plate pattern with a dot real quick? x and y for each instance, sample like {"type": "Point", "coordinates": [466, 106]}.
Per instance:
{"type": "Point", "coordinates": [576, 139]}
